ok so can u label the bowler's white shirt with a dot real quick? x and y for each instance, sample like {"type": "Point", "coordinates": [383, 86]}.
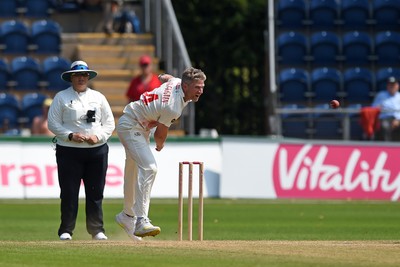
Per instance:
{"type": "Point", "coordinates": [67, 114]}
{"type": "Point", "coordinates": [164, 105]}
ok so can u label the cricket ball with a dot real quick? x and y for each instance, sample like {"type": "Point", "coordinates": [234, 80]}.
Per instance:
{"type": "Point", "coordinates": [334, 104]}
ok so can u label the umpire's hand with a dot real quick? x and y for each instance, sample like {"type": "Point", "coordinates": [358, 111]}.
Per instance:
{"type": "Point", "coordinates": [92, 139]}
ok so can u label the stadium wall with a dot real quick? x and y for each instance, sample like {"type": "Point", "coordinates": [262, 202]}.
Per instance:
{"type": "Point", "coordinates": [235, 167]}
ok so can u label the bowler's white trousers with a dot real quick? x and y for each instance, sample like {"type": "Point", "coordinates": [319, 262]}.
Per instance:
{"type": "Point", "coordinates": [140, 166]}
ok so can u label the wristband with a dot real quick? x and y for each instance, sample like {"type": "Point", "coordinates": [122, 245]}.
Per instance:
{"type": "Point", "coordinates": [70, 136]}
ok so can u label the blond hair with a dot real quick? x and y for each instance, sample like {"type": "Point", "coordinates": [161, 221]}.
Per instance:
{"type": "Point", "coordinates": [191, 74]}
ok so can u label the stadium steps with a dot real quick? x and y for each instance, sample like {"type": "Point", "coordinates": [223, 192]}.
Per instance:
{"type": "Point", "coordinates": [113, 90]}
{"type": "Point", "coordinates": [114, 63]}
{"type": "Point", "coordinates": [115, 75]}
{"type": "Point", "coordinates": [134, 51]}
{"type": "Point", "coordinates": [97, 38]}
{"type": "Point", "coordinates": [116, 59]}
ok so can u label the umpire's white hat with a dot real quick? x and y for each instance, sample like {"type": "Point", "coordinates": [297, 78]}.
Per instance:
{"type": "Point", "coordinates": [78, 66]}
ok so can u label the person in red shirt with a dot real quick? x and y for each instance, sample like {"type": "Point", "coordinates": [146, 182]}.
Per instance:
{"type": "Point", "coordinates": [144, 82]}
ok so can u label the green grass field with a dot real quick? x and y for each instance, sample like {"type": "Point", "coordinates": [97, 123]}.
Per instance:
{"type": "Point", "coordinates": [236, 233]}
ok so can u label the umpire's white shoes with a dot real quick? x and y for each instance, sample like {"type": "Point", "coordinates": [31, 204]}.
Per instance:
{"type": "Point", "coordinates": [65, 236]}
{"type": "Point", "coordinates": [100, 236]}
{"type": "Point", "coordinates": [145, 228]}
{"type": "Point", "coordinates": [128, 224]}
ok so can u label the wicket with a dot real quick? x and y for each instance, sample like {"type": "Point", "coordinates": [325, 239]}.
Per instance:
{"type": "Point", "coordinates": [190, 200]}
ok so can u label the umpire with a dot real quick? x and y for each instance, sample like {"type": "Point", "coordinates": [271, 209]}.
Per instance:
{"type": "Point", "coordinates": [82, 120]}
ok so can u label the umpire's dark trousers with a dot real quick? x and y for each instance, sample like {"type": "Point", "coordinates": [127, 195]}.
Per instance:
{"type": "Point", "coordinates": [89, 165]}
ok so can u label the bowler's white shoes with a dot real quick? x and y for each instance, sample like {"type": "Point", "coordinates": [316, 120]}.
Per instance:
{"type": "Point", "coordinates": [145, 228]}
{"type": "Point", "coordinates": [65, 236]}
{"type": "Point", "coordinates": [128, 224]}
{"type": "Point", "coordinates": [100, 236]}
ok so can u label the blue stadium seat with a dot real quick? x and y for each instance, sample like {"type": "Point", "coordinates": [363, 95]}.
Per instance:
{"type": "Point", "coordinates": [32, 106]}
{"type": "Point", "coordinates": [38, 8]}
{"type": "Point", "coordinates": [293, 85]}
{"type": "Point", "coordinates": [53, 67]}
{"type": "Point", "coordinates": [358, 85]}
{"type": "Point", "coordinates": [383, 74]}
{"type": "Point", "coordinates": [323, 14]}
{"type": "Point", "coordinates": [26, 73]}
{"type": "Point", "coordinates": [327, 125]}
{"type": "Point", "coordinates": [291, 13]}
{"type": "Point", "coordinates": [295, 125]}
{"type": "Point", "coordinates": [324, 47]}
{"type": "Point", "coordinates": [9, 111]}
{"type": "Point", "coordinates": [292, 48]}
{"type": "Point", "coordinates": [67, 7]}
{"type": "Point", "coordinates": [357, 47]}
{"type": "Point", "coordinates": [15, 37]}
{"type": "Point", "coordinates": [46, 35]}
{"type": "Point", "coordinates": [325, 84]}
{"type": "Point", "coordinates": [4, 74]}
{"type": "Point", "coordinates": [386, 14]}
{"type": "Point", "coordinates": [12, 132]}
{"type": "Point", "coordinates": [8, 8]}
{"type": "Point", "coordinates": [355, 14]}
{"type": "Point", "coordinates": [387, 48]}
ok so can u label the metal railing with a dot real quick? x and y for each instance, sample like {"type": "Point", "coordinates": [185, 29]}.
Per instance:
{"type": "Point", "coordinates": [345, 113]}
{"type": "Point", "coordinates": [160, 19]}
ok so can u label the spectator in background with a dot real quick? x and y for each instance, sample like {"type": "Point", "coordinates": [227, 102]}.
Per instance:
{"type": "Point", "coordinates": [39, 124]}
{"type": "Point", "coordinates": [389, 103]}
{"type": "Point", "coordinates": [118, 17]}
{"type": "Point", "coordinates": [145, 81]}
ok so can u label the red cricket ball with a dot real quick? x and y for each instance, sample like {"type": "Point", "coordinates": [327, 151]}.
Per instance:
{"type": "Point", "coordinates": [334, 104]}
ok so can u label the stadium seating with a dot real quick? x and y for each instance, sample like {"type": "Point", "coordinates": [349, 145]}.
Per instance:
{"type": "Point", "coordinates": [291, 13]}
{"type": "Point", "coordinates": [295, 125]}
{"type": "Point", "coordinates": [357, 48]}
{"type": "Point", "coordinates": [12, 132]}
{"type": "Point", "coordinates": [358, 85]}
{"type": "Point", "coordinates": [32, 106]}
{"type": "Point", "coordinates": [46, 36]}
{"type": "Point", "coordinates": [344, 49]}
{"type": "Point", "coordinates": [9, 111]}
{"type": "Point", "coordinates": [8, 8]}
{"type": "Point", "coordinates": [325, 84]}
{"type": "Point", "coordinates": [15, 37]}
{"type": "Point", "coordinates": [324, 48]}
{"type": "Point", "coordinates": [4, 74]}
{"type": "Point", "coordinates": [323, 14]}
{"type": "Point", "coordinates": [387, 48]}
{"type": "Point", "coordinates": [52, 68]}
{"type": "Point", "coordinates": [26, 73]}
{"type": "Point", "coordinates": [38, 8]}
{"type": "Point", "coordinates": [292, 48]}
{"type": "Point", "coordinates": [293, 85]}
{"type": "Point", "coordinates": [327, 125]}
{"type": "Point", "coordinates": [65, 7]}
{"type": "Point", "coordinates": [383, 74]}
{"type": "Point", "coordinates": [355, 14]}
{"type": "Point", "coordinates": [386, 14]}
